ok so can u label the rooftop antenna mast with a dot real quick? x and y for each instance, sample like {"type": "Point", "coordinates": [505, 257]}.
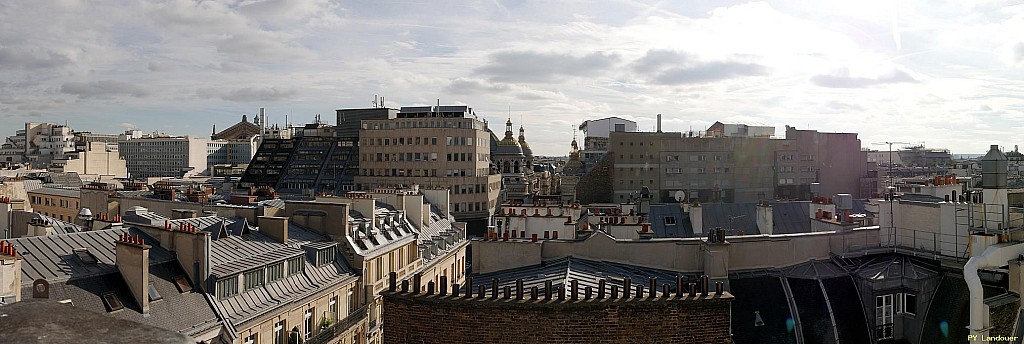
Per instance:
{"type": "Point", "coordinates": [891, 193]}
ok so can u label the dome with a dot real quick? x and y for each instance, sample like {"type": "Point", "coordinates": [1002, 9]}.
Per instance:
{"type": "Point", "coordinates": [522, 142]}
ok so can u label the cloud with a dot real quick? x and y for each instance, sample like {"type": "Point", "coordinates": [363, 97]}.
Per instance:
{"type": "Point", "coordinates": [249, 94]}
{"type": "Point", "coordinates": [666, 67]}
{"type": "Point", "coordinates": [474, 86]}
{"type": "Point", "coordinates": [842, 78]}
{"type": "Point", "coordinates": [21, 59]}
{"type": "Point", "coordinates": [517, 66]}
{"type": "Point", "coordinates": [104, 89]}
{"type": "Point", "coordinates": [128, 126]}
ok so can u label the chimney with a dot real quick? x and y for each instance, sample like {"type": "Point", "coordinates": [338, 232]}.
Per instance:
{"type": "Point", "coordinates": [10, 273]}
{"type": "Point", "coordinates": [659, 122]}
{"type": "Point", "coordinates": [414, 210]}
{"type": "Point", "coordinates": [697, 220]}
{"type": "Point", "coordinates": [645, 232]}
{"type": "Point", "coordinates": [133, 262]}
{"type": "Point", "coordinates": [366, 207]}
{"type": "Point", "coordinates": [765, 219]}
{"type": "Point", "coordinates": [275, 227]}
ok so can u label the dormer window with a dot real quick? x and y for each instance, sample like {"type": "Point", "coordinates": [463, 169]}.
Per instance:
{"type": "Point", "coordinates": [325, 256]}
{"type": "Point", "coordinates": [295, 265]}
{"type": "Point", "coordinates": [227, 287]}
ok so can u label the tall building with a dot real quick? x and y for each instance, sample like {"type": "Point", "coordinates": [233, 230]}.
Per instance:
{"type": "Point", "coordinates": [314, 159]}
{"type": "Point", "coordinates": [158, 155]}
{"type": "Point", "coordinates": [433, 146]}
{"type": "Point", "coordinates": [38, 144]}
{"type": "Point", "coordinates": [736, 168]}
{"type": "Point", "coordinates": [595, 136]}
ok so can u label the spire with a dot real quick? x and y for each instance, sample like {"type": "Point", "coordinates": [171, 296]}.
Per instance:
{"type": "Point", "coordinates": [508, 128]}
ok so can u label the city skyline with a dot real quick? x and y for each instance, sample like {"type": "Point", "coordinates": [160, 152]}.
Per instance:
{"type": "Point", "coordinates": [941, 73]}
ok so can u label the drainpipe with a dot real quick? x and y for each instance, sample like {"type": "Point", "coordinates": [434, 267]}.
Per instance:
{"type": "Point", "coordinates": [994, 256]}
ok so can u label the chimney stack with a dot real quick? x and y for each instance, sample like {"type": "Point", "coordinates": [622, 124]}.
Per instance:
{"type": "Point", "coordinates": [10, 273]}
{"type": "Point", "coordinates": [275, 227]}
{"type": "Point", "coordinates": [132, 257]}
{"type": "Point", "coordinates": [659, 122]}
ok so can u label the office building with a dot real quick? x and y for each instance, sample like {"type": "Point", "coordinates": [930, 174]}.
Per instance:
{"type": "Point", "coordinates": [433, 146]}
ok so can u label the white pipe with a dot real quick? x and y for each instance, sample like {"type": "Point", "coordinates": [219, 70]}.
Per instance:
{"type": "Point", "coordinates": [994, 256]}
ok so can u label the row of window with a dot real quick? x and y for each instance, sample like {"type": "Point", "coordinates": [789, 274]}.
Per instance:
{"type": "Point", "coordinates": [51, 202]}
{"type": "Point", "coordinates": [228, 286]}
{"type": "Point", "coordinates": [392, 124]}
{"type": "Point", "coordinates": [425, 141]}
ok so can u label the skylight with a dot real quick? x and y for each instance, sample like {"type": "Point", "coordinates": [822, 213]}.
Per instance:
{"type": "Point", "coordinates": [182, 284]}
{"type": "Point", "coordinates": [85, 256]}
{"type": "Point", "coordinates": [111, 301]}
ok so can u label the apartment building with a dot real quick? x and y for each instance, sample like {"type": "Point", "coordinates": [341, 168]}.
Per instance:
{"type": "Point", "coordinates": [59, 203]}
{"type": "Point", "coordinates": [38, 144]}
{"type": "Point", "coordinates": [736, 168]}
{"type": "Point", "coordinates": [433, 146]}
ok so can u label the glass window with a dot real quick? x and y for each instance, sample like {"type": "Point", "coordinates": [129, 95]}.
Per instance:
{"type": "Point", "coordinates": [279, 333]}
{"type": "Point", "coordinates": [309, 323]}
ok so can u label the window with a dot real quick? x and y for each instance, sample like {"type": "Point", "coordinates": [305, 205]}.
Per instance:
{"type": "Point", "coordinates": [227, 287]}
{"type": "Point", "coordinates": [883, 316]}
{"type": "Point", "coordinates": [906, 303]}
{"type": "Point", "coordinates": [294, 265]}
{"type": "Point", "coordinates": [112, 302]}
{"type": "Point", "coordinates": [325, 256]}
{"type": "Point", "coordinates": [670, 220]}
{"type": "Point", "coordinates": [254, 279]}
{"type": "Point", "coordinates": [251, 339]}
{"type": "Point", "coordinates": [308, 331]}
{"type": "Point", "coordinates": [333, 308]}
{"type": "Point", "coordinates": [182, 283]}
{"type": "Point", "coordinates": [279, 333]}
{"type": "Point", "coordinates": [275, 272]}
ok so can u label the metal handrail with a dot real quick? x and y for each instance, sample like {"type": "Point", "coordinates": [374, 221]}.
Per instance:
{"type": "Point", "coordinates": [327, 334]}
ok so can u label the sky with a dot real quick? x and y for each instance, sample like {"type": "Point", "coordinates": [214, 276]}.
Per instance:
{"type": "Point", "coordinates": [949, 74]}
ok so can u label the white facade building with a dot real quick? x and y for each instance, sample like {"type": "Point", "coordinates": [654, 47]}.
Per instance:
{"type": "Point", "coordinates": [158, 155]}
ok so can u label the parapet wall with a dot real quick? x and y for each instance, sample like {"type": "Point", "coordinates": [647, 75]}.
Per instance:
{"type": "Point", "coordinates": [515, 316]}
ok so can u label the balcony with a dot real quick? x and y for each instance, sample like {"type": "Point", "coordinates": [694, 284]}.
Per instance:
{"type": "Point", "coordinates": [328, 334]}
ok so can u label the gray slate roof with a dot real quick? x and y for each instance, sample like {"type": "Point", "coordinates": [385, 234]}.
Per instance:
{"type": "Point", "coordinates": [51, 258]}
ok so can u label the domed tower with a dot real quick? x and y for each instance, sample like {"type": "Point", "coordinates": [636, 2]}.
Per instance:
{"type": "Point", "coordinates": [574, 165]}
{"type": "Point", "coordinates": [527, 152]}
{"type": "Point", "coordinates": [510, 161]}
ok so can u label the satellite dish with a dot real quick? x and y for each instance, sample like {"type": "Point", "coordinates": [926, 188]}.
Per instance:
{"type": "Point", "coordinates": [680, 196]}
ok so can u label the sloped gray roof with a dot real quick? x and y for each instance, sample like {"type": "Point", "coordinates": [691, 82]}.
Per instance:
{"type": "Point", "coordinates": [52, 257]}
{"type": "Point", "coordinates": [730, 216]}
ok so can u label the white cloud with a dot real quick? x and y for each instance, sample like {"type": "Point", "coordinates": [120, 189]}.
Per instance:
{"type": "Point", "coordinates": [833, 66]}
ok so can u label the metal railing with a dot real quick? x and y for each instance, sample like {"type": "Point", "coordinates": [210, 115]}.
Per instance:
{"type": "Point", "coordinates": [910, 241]}
{"type": "Point", "coordinates": [339, 327]}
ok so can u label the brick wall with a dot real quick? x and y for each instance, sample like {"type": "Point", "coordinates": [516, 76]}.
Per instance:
{"type": "Point", "coordinates": [447, 319]}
